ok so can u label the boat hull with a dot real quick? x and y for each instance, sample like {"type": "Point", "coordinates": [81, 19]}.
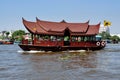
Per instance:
{"type": "Point", "coordinates": [57, 48]}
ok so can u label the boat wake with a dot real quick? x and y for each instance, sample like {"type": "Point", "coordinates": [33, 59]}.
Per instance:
{"type": "Point", "coordinates": [35, 51]}
{"type": "Point", "coordinates": [32, 51]}
{"type": "Point", "coordinates": [77, 51]}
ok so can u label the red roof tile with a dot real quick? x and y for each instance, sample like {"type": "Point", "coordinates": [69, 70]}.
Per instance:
{"type": "Point", "coordinates": [93, 29]}
{"type": "Point", "coordinates": [58, 28]}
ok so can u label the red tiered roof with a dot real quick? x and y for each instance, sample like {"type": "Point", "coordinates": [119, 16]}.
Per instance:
{"type": "Point", "coordinates": [58, 28]}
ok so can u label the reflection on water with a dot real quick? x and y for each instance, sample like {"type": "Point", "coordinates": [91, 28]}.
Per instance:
{"type": "Point", "coordinates": [93, 65]}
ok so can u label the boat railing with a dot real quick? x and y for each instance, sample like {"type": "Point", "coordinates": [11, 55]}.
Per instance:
{"type": "Point", "coordinates": [61, 43]}
{"type": "Point", "coordinates": [88, 43]}
{"type": "Point", "coordinates": [25, 41]}
{"type": "Point", "coordinates": [43, 42]}
{"type": "Point", "coordinates": [83, 43]}
{"type": "Point", "coordinates": [49, 43]}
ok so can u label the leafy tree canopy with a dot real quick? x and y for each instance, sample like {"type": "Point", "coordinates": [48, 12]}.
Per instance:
{"type": "Point", "coordinates": [17, 35]}
{"type": "Point", "coordinates": [105, 35]}
{"type": "Point", "coordinates": [7, 33]}
{"type": "Point", "coordinates": [115, 37]}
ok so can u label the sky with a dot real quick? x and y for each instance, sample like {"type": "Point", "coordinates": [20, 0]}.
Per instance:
{"type": "Point", "coordinates": [96, 11]}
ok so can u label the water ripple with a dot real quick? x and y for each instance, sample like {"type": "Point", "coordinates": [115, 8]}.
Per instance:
{"type": "Point", "coordinates": [70, 65]}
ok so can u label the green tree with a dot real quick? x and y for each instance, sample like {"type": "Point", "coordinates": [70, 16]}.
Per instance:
{"type": "Point", "coordinates": [3, 34]}
{"type": "Point", "coordinates": [115, 37]}
{"type": "Point", "coordinates": [17, 35]}
{"type": "Point", "coordinates": [7, 33]}
{"type": "Point", "coordinates": [105, 35]}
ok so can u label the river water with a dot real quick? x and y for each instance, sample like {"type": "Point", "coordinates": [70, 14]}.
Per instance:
{"type": "Point", "coordinates": [93, 65]}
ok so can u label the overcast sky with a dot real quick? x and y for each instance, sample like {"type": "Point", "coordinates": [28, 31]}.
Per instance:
{"type": "Point", "coordinates": [12, 11]}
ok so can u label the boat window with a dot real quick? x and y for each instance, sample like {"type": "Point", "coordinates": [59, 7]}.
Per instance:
{"type": "Point", "coordinates": [88, 38]}
{"type": "Point", "coordinates": [74, 39]}
{"type": "Point", "coordinates": [98, 38]}
{"type": "Point", "coordinates": [79, 39]}
{"type": "Point", "coordinates": [82, 38]}
{"type": "Point", "coordinates": [46, 38]}
{"type": "Point", "coordinates": [85, 38]}
{"type": "Point", "coordinates": [53, 38]}
{"type": "Point", "coordinates": [59, 38]}
{"type": "Point", "coordinates": [92, 38]}
{"type": "Point", "coordinates": [40, 38]}
{"type": "Point", "coordinates": [66, 38]}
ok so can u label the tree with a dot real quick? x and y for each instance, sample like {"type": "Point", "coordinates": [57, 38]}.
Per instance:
{"type": "Point", "coordinates": [115, 37]}
{"type": "Point", "coordinates": [105, 35]}
{"type": "Point", "coordinates": [3, 34]}
{"type": "Point", "coordinates": [17, 35]}
{"type": "Point", "coordinates": [7, 33]}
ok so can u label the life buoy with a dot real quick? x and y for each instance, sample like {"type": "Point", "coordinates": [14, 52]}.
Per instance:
{"type": "Point", "coordinates": [103, 43]}
{"type": "Point", "coordinates": [98, 43]}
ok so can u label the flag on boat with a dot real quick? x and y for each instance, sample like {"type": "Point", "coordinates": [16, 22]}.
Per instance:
{"type": "Point", "coordinates": [107, 23]}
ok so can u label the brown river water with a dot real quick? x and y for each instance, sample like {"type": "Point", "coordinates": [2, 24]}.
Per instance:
{"type": "Point", "coordinates": [93, 65]}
